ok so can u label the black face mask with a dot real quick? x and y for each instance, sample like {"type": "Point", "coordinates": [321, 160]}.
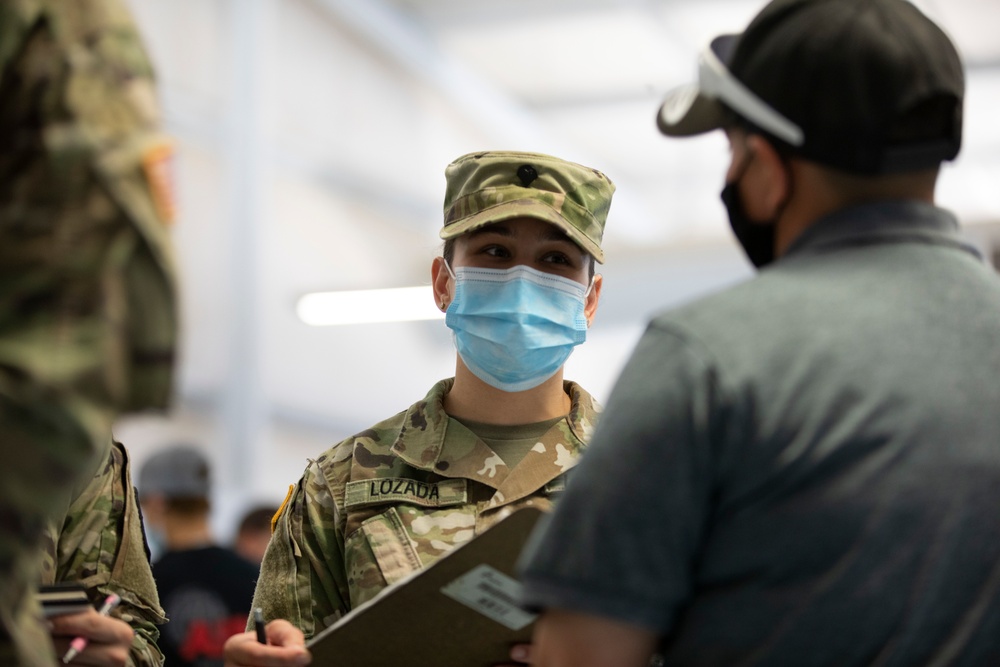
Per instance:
{"type": "Point", "coordinates": [756, 238]}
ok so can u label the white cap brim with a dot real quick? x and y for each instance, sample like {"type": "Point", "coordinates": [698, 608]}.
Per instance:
{"type": "Point", "coordinates": [699, 107]}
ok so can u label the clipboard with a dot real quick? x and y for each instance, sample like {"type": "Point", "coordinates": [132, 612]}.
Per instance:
{"type": "Point", "coordinates": [460, 611]}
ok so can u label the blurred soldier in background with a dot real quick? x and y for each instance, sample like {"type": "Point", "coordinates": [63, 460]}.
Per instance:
{"type": "Point", "coordinates": [87, 321]}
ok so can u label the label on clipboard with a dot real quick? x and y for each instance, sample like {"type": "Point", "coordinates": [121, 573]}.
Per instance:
{"type": "Point", "coordinates": [491, 593]}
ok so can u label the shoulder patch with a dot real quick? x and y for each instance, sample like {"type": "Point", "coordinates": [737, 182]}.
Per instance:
{"type": "Point", "coordinates": [158, 164]}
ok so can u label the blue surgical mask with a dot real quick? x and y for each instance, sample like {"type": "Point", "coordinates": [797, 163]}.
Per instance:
{"type": "Point", "coordinates": [515, 328]}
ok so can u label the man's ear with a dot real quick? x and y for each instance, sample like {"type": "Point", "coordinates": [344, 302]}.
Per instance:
{"type": "Point", "coordinates": [768, 179]}
{"type": "Point", "coordinates": [440, 279]}
{"type": "Point", "coordinates": [590, 307]}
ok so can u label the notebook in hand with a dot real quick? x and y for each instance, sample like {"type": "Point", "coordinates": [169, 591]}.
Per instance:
{"type": "Point", "coordinates": [63, 598]}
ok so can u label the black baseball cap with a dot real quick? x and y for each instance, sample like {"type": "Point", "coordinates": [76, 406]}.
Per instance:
{"type": "Point", "coordinates": [865, 86]}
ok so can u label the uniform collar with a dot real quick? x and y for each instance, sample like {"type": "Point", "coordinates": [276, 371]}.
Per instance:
{"type": "Point", "coordinates": [431, 440]}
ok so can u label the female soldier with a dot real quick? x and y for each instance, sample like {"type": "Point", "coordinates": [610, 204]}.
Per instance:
{"type": "Point", "coordinates": [517, 283]}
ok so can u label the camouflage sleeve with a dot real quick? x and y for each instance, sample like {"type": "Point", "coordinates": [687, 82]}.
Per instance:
{"type": "Point", "coordinates": [303, 578]}
{"type": "Point", "coordinates": [87, 319]}
{"type": "Point", "coordinates": [100, 544]}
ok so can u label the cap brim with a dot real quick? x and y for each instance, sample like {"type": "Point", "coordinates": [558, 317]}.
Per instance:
{"type": "Point", "coordinates": [525, 208]}
{"type": "Point", "coordinates": [686, 112]}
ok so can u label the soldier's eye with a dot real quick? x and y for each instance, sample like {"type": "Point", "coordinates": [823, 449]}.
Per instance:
{"type": "Point", "coordinates": [496, 251]}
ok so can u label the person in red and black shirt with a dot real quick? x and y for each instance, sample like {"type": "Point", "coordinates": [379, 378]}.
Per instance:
{"type": "Point", "coordinates": [205, 589]}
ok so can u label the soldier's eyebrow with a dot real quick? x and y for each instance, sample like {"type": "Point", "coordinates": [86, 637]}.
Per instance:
{"type": "Point", "coordinates": [496, 228]}
{"type": "Point", "coordinates": [553, 233]}
{"type": "Point", "coordinates": [548, 233]}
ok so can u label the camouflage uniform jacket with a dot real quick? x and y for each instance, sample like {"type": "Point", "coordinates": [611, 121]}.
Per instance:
{"type": "Point", "coordinates": [87, 316]}
{"type": "Point", "coordinates": [99, 543]}
{"type": "Point", "coordinates": [393, 499]}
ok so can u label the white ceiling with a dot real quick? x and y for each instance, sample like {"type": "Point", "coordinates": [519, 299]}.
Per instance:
{"type": "Point", "coordinates": [312, 139]}
{"type": "Point", "coordinates": [594, 72]}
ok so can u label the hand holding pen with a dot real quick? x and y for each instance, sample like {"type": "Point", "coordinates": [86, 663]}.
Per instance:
{"type": "Point", "coordinates": [278, 643]}
{"type": "Point", "coordinates": [109, 639]}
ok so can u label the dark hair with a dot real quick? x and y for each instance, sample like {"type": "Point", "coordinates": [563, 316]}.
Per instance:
{"type": "Point", "coordinates": [187, 505]}
{"type": "Point", "coordinates": [448, 252]}
{"type": "Point", "coordinates": [257, 519]}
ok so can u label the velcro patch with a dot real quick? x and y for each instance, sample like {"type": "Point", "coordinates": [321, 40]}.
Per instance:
{"type": "Point", "coordinates": [400, 489]}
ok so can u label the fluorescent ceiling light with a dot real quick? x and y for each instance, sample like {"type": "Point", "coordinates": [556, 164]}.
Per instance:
{"type": "Point", "coordinates": [401, 304]}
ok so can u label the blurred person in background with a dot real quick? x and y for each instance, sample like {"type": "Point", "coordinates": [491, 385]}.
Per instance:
{"type": "Point", "coordinates": [205, 589]}
{"type": "Point", "coordinates": [87, 321]}
{"type": "Point", "coordinates": [254, 532]}
{"type": "Point", "coordinates": [517, 283]}
{"type": "Point", "coordinates": [815, 452]}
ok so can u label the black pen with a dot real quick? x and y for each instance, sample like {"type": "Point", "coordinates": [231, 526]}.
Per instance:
{"type": "Point", "coordinates": [258, 622]}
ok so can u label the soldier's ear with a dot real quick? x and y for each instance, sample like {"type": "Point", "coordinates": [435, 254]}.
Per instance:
{"type": "Point", "coordinates": [590, 307]}
{"type": "Point", "coordinates": [441, 283]}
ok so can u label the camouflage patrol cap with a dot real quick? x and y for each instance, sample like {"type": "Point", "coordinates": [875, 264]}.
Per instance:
{"type": "Point", "coordinates": [492, 186]}
{"type": "Point", "coordinates": [177, 472]}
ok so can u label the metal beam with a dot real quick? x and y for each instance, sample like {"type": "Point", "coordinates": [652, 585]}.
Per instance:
{"type": "Point", "coordinates": [244, 405]}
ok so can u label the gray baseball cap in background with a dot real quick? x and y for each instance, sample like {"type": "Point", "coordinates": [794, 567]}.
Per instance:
{"type": "Point", "coordinates": [177, 472]}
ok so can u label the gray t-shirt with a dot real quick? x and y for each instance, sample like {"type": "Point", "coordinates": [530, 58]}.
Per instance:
{"type": "Point", "coordinates": [804, 469]}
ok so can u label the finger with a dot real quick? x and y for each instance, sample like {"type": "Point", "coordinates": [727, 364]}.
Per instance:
{"type": "Point", "coordinates": [97, 628]}
{"type": "Point", "coordinates": [520, 654]}
{"type": "Point", "coordinates": [244, 650]}
{"type": "Point", "coordinates": [100, 655]}
{"type": "Point", "coordinates": [282, 633]}
{"type": "Point", "coordinates": [109, 641]}
{"type": "Point", "coordinates": [93, 626]}
{"type": "Point", "coordinates": [69, 625]}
